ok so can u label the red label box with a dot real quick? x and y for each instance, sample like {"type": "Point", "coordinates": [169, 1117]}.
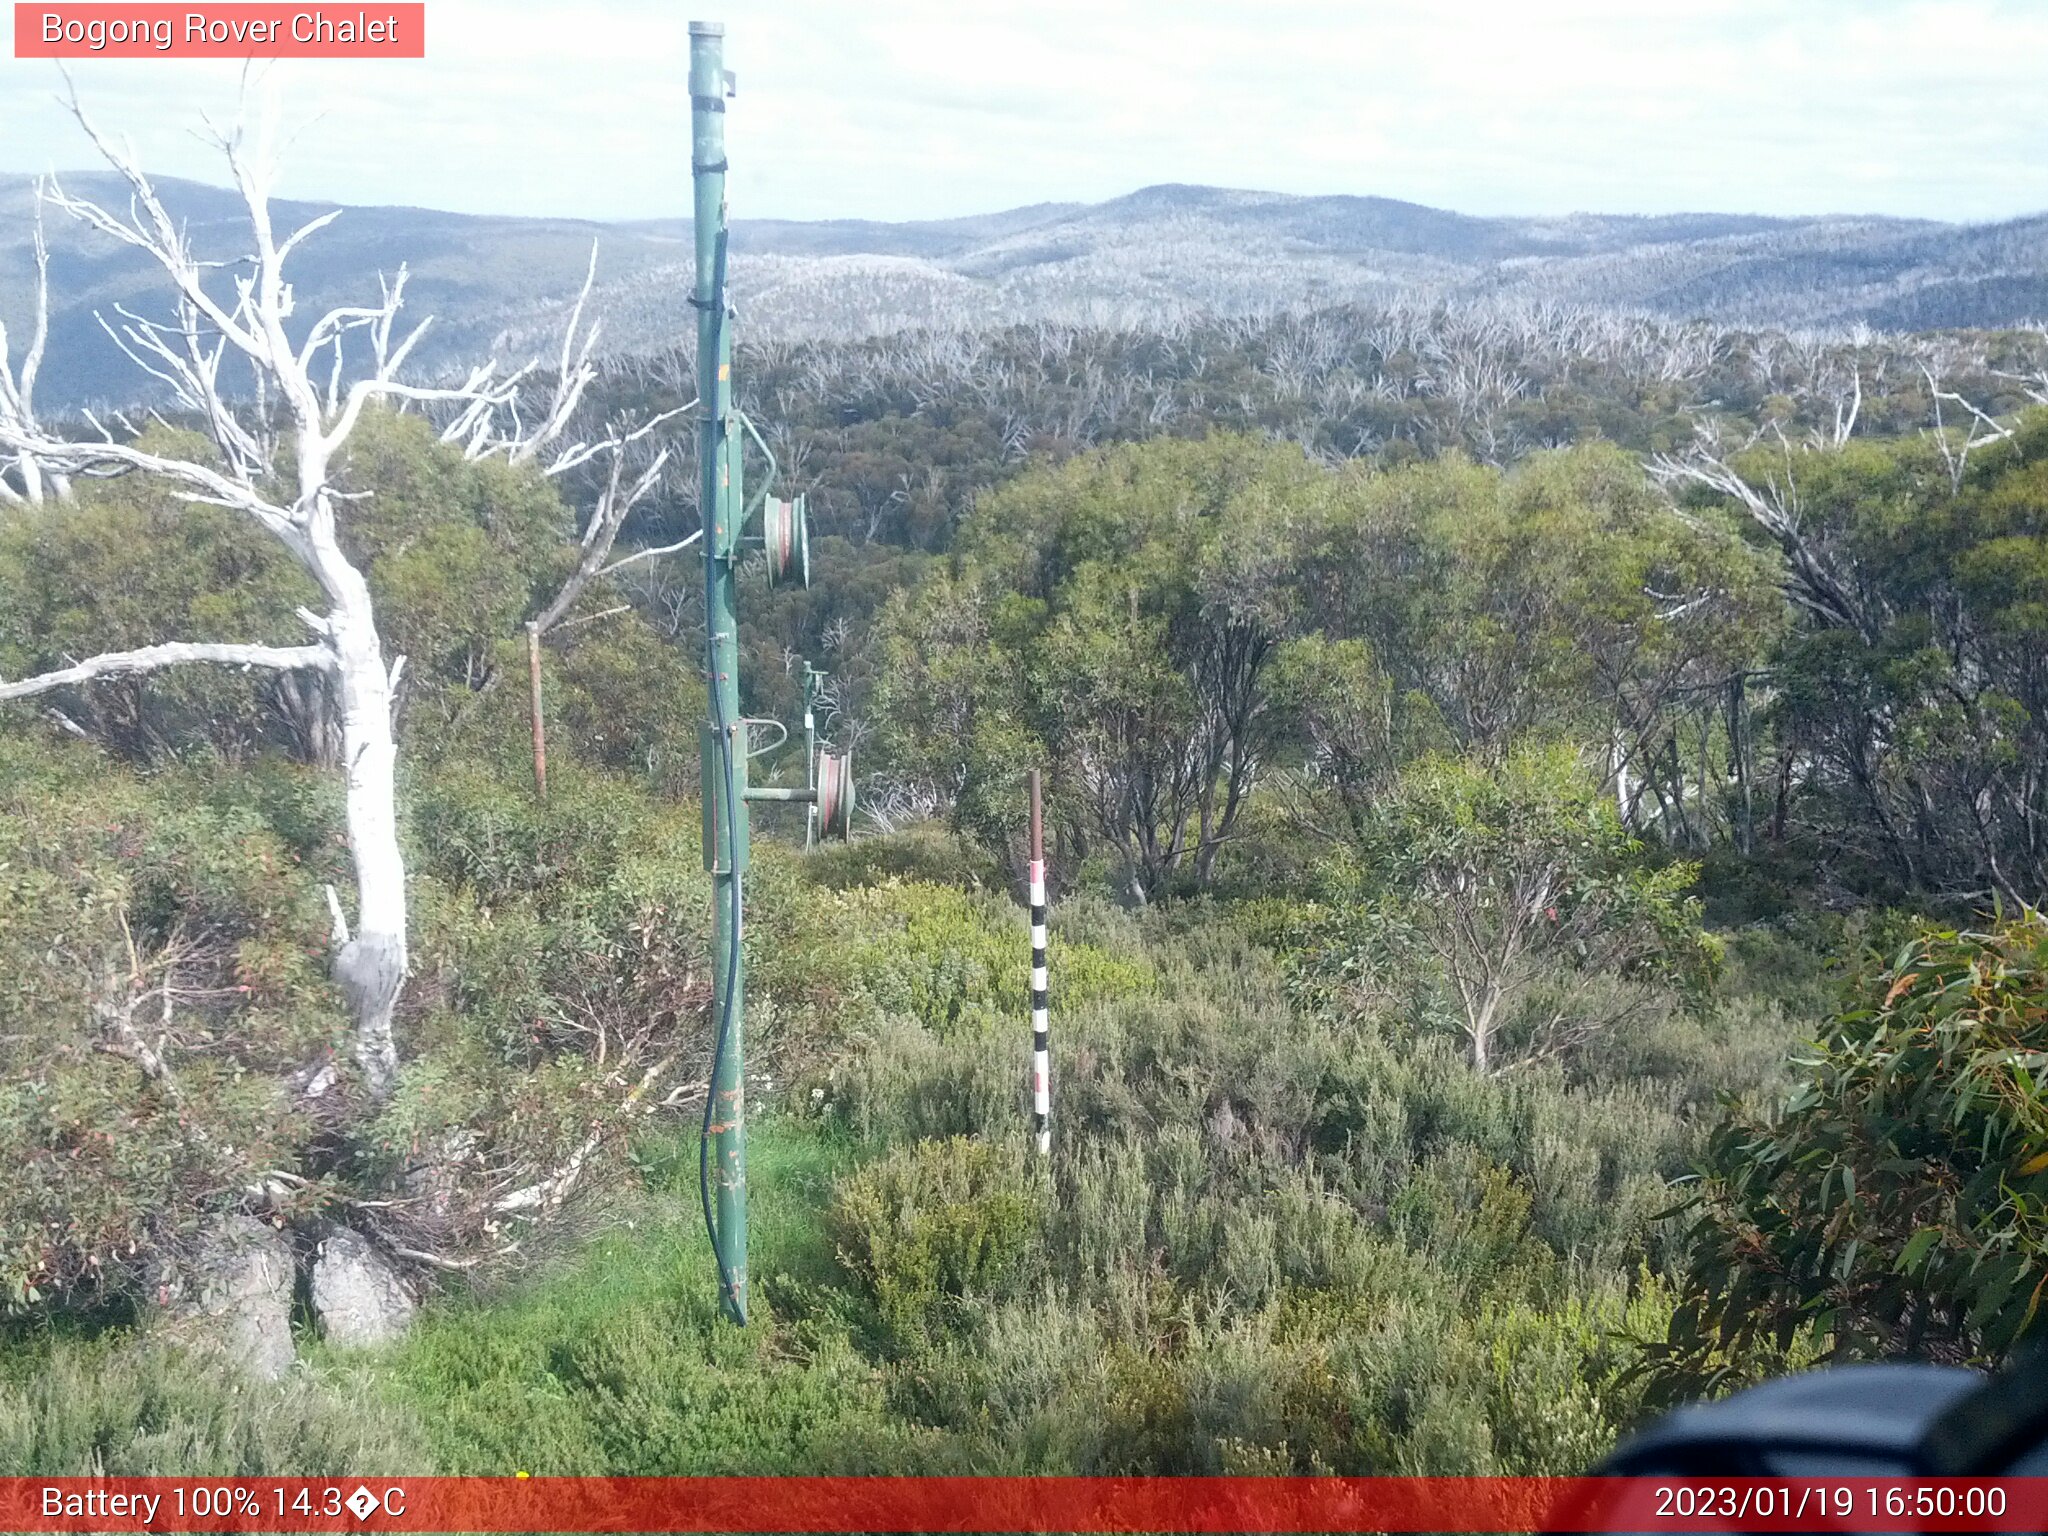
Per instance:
{"type": "Point", "coordinates": [378, 30]}
{"type": "Point", "coordinates": [1200, 1506]}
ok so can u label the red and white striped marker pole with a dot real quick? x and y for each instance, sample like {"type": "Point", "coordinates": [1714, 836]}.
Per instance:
{"type": "Point", "coordinates": [1041, 1040]}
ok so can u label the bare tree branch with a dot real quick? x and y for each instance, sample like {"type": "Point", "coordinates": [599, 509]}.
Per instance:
{"type": "Point", "coordinates": [1983, 429]}
{"type": "Point", "coordinates": [1773, 505]}
{"type": "Point", "coordinates": [652, 554]}
{"type": "Point", "coordinates": [153, 658]}
{"type": "Point", "coordinates": [18, 388]}
{"type": "Point", "coordinates": [548, 1194]}
{"type": "Point", "coordinates": [614, 504]}
{"type": "Point", "coordinates": [573, 375]}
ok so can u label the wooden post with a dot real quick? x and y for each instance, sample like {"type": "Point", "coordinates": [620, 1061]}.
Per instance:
{"type": "Point", "coordinates": [1041, 1038]}
{"type": "Point", "coordinates": [540, 730]}
{"type": "Point", "coordinates": [1738, 741]}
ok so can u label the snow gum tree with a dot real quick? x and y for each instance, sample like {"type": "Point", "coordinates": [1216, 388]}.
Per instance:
{"type": "Point", "coordinates": [273, 460]}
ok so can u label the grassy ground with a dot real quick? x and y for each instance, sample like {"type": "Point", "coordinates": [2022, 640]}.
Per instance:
{"type": "Point", "coordinates": [617, 1362]}
{"type": "Point", "coordinates": [610, 1359]}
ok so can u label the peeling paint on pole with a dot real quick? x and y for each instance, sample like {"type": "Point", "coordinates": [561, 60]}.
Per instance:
{"type": "Point", "coordinates": [725, 745]}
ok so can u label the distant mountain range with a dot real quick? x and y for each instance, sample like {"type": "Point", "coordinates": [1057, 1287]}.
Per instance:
{"type": "Point", "coordinates": [503, 284]}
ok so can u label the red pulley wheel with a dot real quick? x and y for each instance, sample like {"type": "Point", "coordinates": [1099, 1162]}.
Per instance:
{"type": "Point", "coordinates": [835, 795]}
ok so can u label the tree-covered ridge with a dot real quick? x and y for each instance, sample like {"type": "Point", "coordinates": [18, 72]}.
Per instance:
{"type": "Point", "coordinates": [1142, 262]}
{"type": "Point", "coordinates": [891, 435]}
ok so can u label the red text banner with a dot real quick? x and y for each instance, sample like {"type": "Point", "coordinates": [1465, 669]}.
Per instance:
{"type": "Point", "coordinates": [1023, 1504]}
{"type": "Point", "coordinates": [220, 31]}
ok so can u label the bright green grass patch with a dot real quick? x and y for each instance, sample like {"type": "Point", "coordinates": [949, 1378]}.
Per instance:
{"type": "Point", "coordinates": [958, 962]}
{"type": "Point", "coordinates": [619, 1362]}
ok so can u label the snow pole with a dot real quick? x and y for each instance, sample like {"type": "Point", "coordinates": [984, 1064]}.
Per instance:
{"type": "Point", "coordinates": [1041, 1037]}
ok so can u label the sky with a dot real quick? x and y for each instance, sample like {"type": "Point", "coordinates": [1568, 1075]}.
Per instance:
{"type": "Point", "coordinates": [905, 109]}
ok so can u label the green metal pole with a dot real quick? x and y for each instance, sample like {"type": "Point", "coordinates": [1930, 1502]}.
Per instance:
{"type": "Point", "coordinates": [782, 796]}
{"type": "Point", "coordinates": [725, 745]}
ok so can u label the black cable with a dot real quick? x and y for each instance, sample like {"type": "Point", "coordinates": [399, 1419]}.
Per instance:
{"type": "Point", "coordinates": [728, 786]}
{"type": "Point", "coordinates": [725, 1016]}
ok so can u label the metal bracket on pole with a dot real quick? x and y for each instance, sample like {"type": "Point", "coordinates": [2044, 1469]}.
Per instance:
{"type": "Point", "coordinates": [723, 1155]}
{"type": "Point", "coordinates": [814, 686]}
{"type": "Point", "coordinates": [722, 433]}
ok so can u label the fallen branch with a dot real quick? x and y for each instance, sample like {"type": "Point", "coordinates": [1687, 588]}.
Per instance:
{"type": "Point", "coordinates": [549, 1193]}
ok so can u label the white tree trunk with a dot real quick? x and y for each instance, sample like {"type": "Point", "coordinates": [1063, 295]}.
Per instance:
{"type": "Point", "coordinates": [1624, 796]}
{"type": "Point", "coordinates": [1479, 1029]}
{"type": "Point", "coordinates": [371, 965]}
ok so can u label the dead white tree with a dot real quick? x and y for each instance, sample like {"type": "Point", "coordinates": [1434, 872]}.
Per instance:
{"type": "Point", "coordinates": [615, 502]}
{"type": "Point", "coordinates": [478, 425]}
{"type": "Point", "coordinates": [290, 436]}
{"type": "Point", "coordinates": [1982, 429]}
{"type": "Point", "coordinates": [1772, 502]}
{"type": "Point", "coordinates": [1848, 403]}
{"type": "Point", "coordinates": [30, 480]}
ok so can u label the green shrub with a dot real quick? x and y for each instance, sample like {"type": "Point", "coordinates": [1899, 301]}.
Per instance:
{"type": "Point", "coordinates": [164, 964]}
{"type": "Point", "coordinates": [1897, 1202]}
{"type": "Point", "coordinates": [922, 855]}
{"type": "Point", "coordinates": [937, 1224]}
{"type": "Point", "coordinates": [959, 962]}
{"type": "Point", "coordinates": [1470, 1218]}
{"type": "Point", "coordinates": [165, 945]}
{"type": "Point", "coordinates": [120, 1407]}
{"type": "Point", "coordinates": [1530, 916]}
{"type": "Point", "coordinates": [123, 564]}
{"type": "Point", "coordinates": [899, 1083]}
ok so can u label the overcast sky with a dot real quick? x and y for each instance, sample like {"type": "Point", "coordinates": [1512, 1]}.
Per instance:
{"type": "Point", "coordinates": [898, 109]}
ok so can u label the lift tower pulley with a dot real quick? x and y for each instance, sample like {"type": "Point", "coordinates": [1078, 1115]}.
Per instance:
{"type": "Point", "coordinates": [722, 432]}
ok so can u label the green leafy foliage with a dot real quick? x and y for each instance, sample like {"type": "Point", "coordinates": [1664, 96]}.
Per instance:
{"type": "Point", "coordinates": [1527, 601]}
{"type": "Point", "coordinates": [1897, 1202]}
{"type": "Point", "coordinates": [167, 1004]}
{"type": "Point", "coordinates": [951, 961]}
{"type": "Point", "coordinates": [164, 960]}
{"type": "Point", "coordinates": [124, 565]}
{"type": "Point", "coordinates": [1121, 611]}
{"type": "Point", "coordinates": [1515, 887]}
{"type": "Point", "coordinates": [1909, 695]}
{"type": "Point", "coordinates": [457, 554]}
{"type": "Point", "coordinates": [1163, 625]}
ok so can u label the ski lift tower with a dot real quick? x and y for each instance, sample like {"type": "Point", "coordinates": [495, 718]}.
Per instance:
{"type": "Point", "coordinates": [722, 433]}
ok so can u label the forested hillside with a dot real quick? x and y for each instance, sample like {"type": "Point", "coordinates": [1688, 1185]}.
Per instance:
{"type": "Point", "coordinates": [1159, 258]}
{"type": "Point", "coordinates": [1546, 809]}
